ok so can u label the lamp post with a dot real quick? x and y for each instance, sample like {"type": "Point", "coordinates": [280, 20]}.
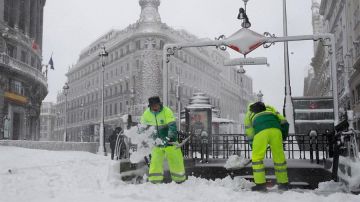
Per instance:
{"type": "Point", "coordinates": [57, 126]}
{"type": "Point", "coordinates": [81, 126]}
{"type": "Point", "coordinates": [178, 97]}
{"type": "Point", "coordinates": [102, 150]}
{"type": "Point", "coordinates": [259, 96]}
{"type": "Point", "coordinates": [288, 105]}
{"type": "Point", "coordinates": [65, 88]}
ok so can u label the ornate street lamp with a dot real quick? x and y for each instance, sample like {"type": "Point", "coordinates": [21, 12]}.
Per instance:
{"type": "Point", "coordinates": [242, 16]}
{"type": "Point", "coordinates": [102, 149]}
{"type": "Point", "coordinates": [65, 88]}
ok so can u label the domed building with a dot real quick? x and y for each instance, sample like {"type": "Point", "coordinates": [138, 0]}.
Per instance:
{"type": "Point", "coordinates": [23, 85]}
{"type": "Point", "coordinates": [133, 73]}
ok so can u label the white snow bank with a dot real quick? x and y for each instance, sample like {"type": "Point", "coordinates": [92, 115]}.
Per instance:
{"type": "Point", "coordinates": [331, 186]}
{"type": "Point", "coordinates": [144, 142]}
{"type": "Point", "coordinates": [46, 176]}
{"type": "Point", "coordinates": [352, 172]}
{"type": "Point", "coordinates": [236, 162]}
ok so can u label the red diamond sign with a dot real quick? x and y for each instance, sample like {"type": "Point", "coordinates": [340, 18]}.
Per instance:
{"type": "Point", "coordinates": [244, 41]}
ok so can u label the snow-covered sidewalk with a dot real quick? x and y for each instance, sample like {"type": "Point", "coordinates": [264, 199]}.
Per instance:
{"type": "Point", "coordinates": [42, 176]}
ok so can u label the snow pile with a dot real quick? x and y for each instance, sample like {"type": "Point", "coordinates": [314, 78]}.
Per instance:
{"type": "Point", "coordinates": [144, 142]}
{"type": "Point", "coordinates": [354, 182]}
{"type": "Point", "coordinates": [352, 172]}
{"type": "Point", "coordinates": [331, 186]}
{"type": "Point", "coordinates": [58, 176]}
{"type": "Point", "coordinates": [236, 162]}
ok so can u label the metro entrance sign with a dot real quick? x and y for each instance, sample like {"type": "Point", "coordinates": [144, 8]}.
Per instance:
{"type": "Point", "coordinates": [244, 41]}
{"type": "Point", "coordinates": [246, 61]}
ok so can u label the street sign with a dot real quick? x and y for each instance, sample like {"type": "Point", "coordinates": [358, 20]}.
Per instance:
{"type": "Point", "coordinates": [246, 61]}
{"type": "Point", "coordinates": [244, 41]}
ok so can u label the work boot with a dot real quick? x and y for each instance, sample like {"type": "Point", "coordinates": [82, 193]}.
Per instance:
{"type": "Point", "coordinates": [283, 186]}
{"type": "Point", "coordinates": [259, 187]}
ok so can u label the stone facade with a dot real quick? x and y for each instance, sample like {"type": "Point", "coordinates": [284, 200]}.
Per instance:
{"type": "Point", "coordinates": [133, 73]}
{"type": "Point", "coordinates": [342, 18]}
{"type": "Point", "coordinates": [22, 83]}
{"type": "Point", "coordinates": [47, 121]}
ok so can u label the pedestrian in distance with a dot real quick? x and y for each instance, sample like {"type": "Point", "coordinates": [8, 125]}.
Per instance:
{"type": "Point", "coordinates": [264, 127]}
{"type": "Point", "coordinates": [162, 118]}
{"type": "Point", "coordinates": [112, 140]}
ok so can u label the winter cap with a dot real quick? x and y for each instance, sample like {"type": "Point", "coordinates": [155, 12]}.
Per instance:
{"type": "Point", "coordinates": [257, 107]}
{"type": "Point", "coordinates": [154, 100]}
{"type": "Point", "coordinates": [118, 129]}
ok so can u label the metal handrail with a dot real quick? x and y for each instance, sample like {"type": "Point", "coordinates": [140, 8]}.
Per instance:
{"type": "Point", "coordinates": [221, 146]}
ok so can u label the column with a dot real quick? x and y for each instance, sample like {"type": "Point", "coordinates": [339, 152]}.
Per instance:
{"type": "Point", "coordinates": [16, 13]}
{"type": "Point", "coordinates": [2, 120]}
{"type": "Point", "coordinates": [32, 19]}
{"type": "Point", "coordinates": [40, 26]}
{"type": "Point", "coordinates": [27, 17]}
{"type": "Point", "coordinates": [38, 22]}
{"type": "Point", "coordinates": [2, 9]}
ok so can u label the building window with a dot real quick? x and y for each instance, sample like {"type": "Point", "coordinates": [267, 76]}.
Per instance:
{"type": "Point", "coordinates": [24, 56]}
{"type": "Point", "coordinates": [358, 93]}
{"type": "Point", "coordinates": [162, 43]}
{"type": "Point", "coordinates": [137, 45]}
{"type": "Point", "coordinates": [17, 87]}
{"type": "Point", "coordinates": [127, 49]}
{"type": "Point", "coordinates": [11, 50]}
{"type": "Point", "coordinates": [353, 97]}
{"type": "Point", "coordinates": [138, 64]}
{"type": "Point", "coordinates": [115, 108]}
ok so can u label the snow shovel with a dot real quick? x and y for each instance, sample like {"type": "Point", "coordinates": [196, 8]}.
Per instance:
{"type": "Point", "coordinates": [179, 145]}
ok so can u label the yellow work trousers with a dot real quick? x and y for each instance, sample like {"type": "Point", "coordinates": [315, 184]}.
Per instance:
{"type": "Point", "coordinates": [175, 161]}
{"type": "Point", "coordinates": [272, 137]}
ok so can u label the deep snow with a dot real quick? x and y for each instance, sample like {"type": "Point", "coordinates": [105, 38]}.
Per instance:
{"type": "Point", "coordinates": [38, 175]}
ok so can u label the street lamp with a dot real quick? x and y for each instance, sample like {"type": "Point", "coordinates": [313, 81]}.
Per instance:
{"type": "Point", "coordinates": [288, 105]}
{"type": "Point", "coordinates": [242, 16]}
{"type": "Point", "coordinates": [102, 150]}
{"type": "Point", "coordinates": [259, 96]}
{"type": "Point", "coordinates": [57, 126]}
{"type": "Point", "coordinates": [81, 126]}
{"type": "Point", "coordinates": [65, 88]}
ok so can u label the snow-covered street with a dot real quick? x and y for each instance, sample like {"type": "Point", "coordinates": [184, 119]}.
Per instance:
{"type": "Point", "coordinates": [40, 175]}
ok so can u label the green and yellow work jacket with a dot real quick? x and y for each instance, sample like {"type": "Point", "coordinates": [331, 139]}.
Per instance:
{"type": "Point", "coordinates": [164, 122]}
{"type": "Point", "coordinates": [270, 118]}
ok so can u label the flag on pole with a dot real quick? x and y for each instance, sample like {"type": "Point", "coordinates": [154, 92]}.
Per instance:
{"type": "Point", "coordinates": [34, 45]}
{"type": "Point", "coordinates": [51, 63]}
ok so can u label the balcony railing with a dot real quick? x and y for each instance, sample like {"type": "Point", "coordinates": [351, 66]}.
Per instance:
{"type": "Point", "coordinates": [23, 68]}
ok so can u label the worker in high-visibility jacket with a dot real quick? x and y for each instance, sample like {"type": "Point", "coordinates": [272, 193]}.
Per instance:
{"type": "Point", "coordinates": [162, 118]}
{"type": "Point", "coordinates": [265, 126]}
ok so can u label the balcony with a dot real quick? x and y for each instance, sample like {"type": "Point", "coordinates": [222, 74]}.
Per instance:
{"type": "Point", "coordinates": [23, 68]}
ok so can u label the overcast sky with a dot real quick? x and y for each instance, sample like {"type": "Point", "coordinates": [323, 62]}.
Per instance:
{"type": "Point", "coordinates": [71, 25]}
